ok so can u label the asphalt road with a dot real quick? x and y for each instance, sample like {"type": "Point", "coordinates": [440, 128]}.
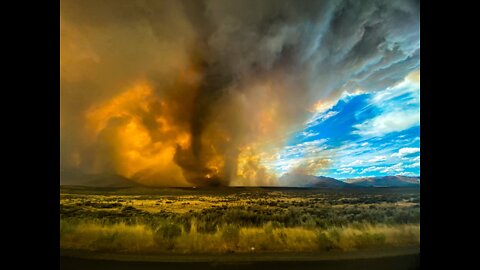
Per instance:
{"type": "Point", "coordinates": [395, 262]}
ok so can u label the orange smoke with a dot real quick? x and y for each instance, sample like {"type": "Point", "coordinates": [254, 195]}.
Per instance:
{"type": "Point", "coordinates": [137, 153]}
{"type": "Point", "coordinates": [144, 134]}
{"type": "Point", "coordinates": [311, 167]}
{"type": "Point", "coordinates": [251, 172]}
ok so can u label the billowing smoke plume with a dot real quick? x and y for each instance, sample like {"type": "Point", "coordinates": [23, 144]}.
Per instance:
{"type": "Point", "coordinates": [201, 92]}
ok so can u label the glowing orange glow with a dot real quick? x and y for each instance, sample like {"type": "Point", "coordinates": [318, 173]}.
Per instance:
{"type": "Point", "coordinates": [143, 133]}
{"type": "Point", "coordinates": [320, 106]}
{"type": "Point", "coordinates": [121, 105]}
{"type": "Point", "coordinates": [251, 171]}
{"type": "Point", "coordinates": [139, 155]}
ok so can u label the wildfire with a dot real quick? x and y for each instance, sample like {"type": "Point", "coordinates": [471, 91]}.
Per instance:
{"type": "Point", "coordinates": [141, 151]}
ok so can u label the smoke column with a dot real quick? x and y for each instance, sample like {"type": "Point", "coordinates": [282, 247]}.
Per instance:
{"type": "Point", "coordinates": [201, 92]}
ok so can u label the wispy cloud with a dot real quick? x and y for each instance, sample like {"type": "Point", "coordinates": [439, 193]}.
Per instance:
{"type": "Point", "coordinates": [406, 151]}
{"type": "Point", "coordinates": [413, 165]}
{"type": "Point", "coordinates": [394, 169]}
{"type": "Point", "coordinates": [398, 109]}
{"type": "Point", "coordinates": [319, 118]}
{"type": "Point", "coordinates": [387, 123]}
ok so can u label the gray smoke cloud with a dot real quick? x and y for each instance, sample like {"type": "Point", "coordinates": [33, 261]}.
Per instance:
{"type": "Point", "coordinates": [251, 72]}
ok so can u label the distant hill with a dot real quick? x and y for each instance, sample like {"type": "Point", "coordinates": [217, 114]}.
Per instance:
{"type": "Point", "coordinates": [300, 180]}
{"type": "Point", "coordinates": [75, 178]}
{"type": "Point", "coordinates": [385, 181]}
{"type": "Point", "coordinates": [328, 182]}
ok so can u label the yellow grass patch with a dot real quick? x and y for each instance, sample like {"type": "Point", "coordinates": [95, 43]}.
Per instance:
{"type": "Point", "coordinates": [119, 237]}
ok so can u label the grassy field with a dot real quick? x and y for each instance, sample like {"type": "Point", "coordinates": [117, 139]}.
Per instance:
{"type": "Point", "coordinates": [237, 220]}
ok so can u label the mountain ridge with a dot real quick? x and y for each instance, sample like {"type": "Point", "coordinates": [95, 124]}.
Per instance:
{"type": "Point", "coordinates": [300, 180]}
{"type": "Point", "coordinates": [75, 178]}
{"type": "Point", "coordinates": [385, 181]}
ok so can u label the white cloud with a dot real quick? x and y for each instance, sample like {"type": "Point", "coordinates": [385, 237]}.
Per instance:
{"type": "Point", "coordinates": [307, 134]}
{"type": "Point", "coordinates": [389, 122]}
{"type": "Point", "coordinates": [328, 115]}
{"type": "Point", "coordinates": [407, 174]}
{"type": "Point", "coordinates": [354, 163]}
{"type": "Point", "coordinates": [346, 170]}
{"type": "Point", "coordinates": [378, 159]}
{"type": "Point", "coordinates": [406, 151]}
{"type": "Point", "coordinates": [391, 119]}
{"type": "Point", "coordinates": [395, 169]}
{"type": "Point", "coordinates": [413, 165]}
{"type": "Point", "coordinates": [410, 85]}
{"type": "Point", "coordinates": [319, 117]}
{"type": "Point", "coordinates": [371, 169]}
{"type": "Point", "coordinates": [304, 148]}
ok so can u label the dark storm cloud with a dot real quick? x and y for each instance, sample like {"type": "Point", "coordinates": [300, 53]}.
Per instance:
{"type": "Point", "coordinates": [264, 60]}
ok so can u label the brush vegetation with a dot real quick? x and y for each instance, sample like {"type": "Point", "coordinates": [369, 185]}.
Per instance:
{"type": "Point", "coordinates": [245, 220]}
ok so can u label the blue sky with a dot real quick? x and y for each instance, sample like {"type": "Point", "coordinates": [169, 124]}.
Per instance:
{"type": "Point", "coordinates": [362, 135]}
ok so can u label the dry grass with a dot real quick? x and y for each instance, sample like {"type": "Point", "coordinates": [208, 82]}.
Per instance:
{"type": "Point", "coordinates": [139, 238]}
{"type": "Point", "coordinates": [238, 220]}
{"type": "Point", "coordinates": [118, 237]}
